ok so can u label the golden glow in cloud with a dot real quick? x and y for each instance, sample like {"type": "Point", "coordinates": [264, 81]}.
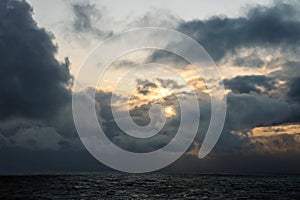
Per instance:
{"type": "Point", "coordinates": [170, 111]}
{"type": "Point", "coordinates": [273, 139]}
{"type": "Point", "coordinates": [288, 129]}
{"type": "Point", "coordinates": [268, 131]}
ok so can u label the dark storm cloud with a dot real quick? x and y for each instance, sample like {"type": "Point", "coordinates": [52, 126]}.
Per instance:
{"type": "Point", "coordinates": [245, 111]}
{"type": "Point", "coordinates": [247, 84]}
{"type": "Point", "coordinates": [34, 86]}
{"type": "Point", "coordinates": [32, 82]}
{"type": "Point", "coordinates": [86, 17]}
{"type": "Point", "coordinates": [294, 92]}
{"type": "Point", "coordinates": [263, 26]}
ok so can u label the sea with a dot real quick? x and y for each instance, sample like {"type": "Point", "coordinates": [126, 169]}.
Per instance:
{"type": "Point", "coordinates": [149, 186]}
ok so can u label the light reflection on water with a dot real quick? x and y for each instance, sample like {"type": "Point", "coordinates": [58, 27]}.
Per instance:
{"type": "Point", "coordinates": [149, 186]}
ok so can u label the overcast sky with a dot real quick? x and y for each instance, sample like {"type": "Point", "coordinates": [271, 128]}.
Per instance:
{"type": "Point", "coordinates": [255, 45]}
{"type": "Point", "coordinates": [57, 16]}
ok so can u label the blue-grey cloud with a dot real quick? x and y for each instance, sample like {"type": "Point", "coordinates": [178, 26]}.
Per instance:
{"type": "Point", "coordinates": [247, 84]}
{"type": "Point", "coordinates": [33, 83]}
{"type": "Point", "coordinates": [294, 91]}
{"type": "Point", "coordinates": [264, 26]}
{"type": "Point", "coordinates": [86, 18]}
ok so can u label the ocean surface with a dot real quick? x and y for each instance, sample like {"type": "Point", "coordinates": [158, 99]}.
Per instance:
{"type": "Point", "coordinates": [149, 186]}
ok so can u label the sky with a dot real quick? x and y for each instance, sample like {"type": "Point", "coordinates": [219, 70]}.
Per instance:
{"type": "Point", "coordinates": [255, 45]}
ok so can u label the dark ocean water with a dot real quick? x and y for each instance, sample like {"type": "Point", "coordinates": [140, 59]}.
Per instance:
{"type": "Point", "coordinates": [149, 186]}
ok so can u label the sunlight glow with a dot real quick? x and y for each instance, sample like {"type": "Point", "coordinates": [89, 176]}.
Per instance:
{"type": "Point", "coordinates": [170, 111]}
{"type": "Point", "coordinates": [164, 92]}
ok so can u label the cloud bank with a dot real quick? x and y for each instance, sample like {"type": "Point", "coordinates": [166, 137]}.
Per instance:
{"type": "Point", "coordinates": [36, 120]}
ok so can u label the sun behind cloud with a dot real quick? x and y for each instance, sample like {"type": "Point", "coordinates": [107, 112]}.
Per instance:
{"type": "Point", "coordinates": [169, 111]}
{"type": "Point", "coordinates": [163, 92]}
